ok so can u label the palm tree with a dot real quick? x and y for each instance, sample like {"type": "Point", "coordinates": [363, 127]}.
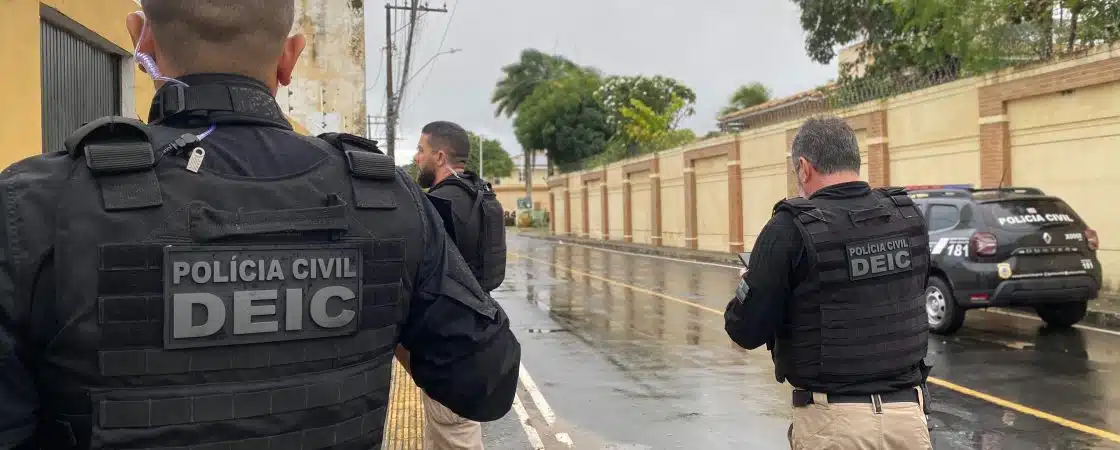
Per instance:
{"type": "Point", "coordinates": [746, 96]}
{"type": "Point", "coordinates": [523, 76]}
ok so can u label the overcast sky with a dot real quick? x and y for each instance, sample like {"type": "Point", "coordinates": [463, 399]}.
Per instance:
{"type": "Point", "coordinates": [712, 46]}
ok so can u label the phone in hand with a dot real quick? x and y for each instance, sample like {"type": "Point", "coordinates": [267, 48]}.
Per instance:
{"type": "Point", "coordinates": [745, 257]}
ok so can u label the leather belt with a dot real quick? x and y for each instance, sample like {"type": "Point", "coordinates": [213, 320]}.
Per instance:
{"type": "Point", "coordinates": [805, 398]}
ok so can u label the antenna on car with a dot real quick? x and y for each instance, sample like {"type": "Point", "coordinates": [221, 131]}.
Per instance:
{"type": "Point", "coordinates": [1002, 178]}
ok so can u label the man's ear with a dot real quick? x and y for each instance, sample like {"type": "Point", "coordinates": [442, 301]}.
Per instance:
{"type": "Point", "coordinates": [803, 167]}
{"type": "Point", "coordinates": [293, 48]}
{"type": "Point", "coordinates": [135, 23]}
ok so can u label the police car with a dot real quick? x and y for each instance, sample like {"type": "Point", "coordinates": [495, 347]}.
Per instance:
{"type": "Point", "coordinates": [1011, 246]}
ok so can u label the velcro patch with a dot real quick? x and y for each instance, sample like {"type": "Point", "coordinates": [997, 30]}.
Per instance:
{"type": "Point", "coordinates": [878, 257]}
{"type": "Point", "coordinates": [219, 296]}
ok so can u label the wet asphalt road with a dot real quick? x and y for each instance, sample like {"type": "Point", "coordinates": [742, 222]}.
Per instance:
{"type": "Point", "coordinates": [628, 352]}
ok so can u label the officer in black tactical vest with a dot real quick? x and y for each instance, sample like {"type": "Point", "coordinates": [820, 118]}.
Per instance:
{"type": "Point", "coordinates": [215, 280]}
{"type": "Point", "coordinates": [834, 290]}
{"type": "Point", "coordinates": [475, 221]}
{"type": "Point", "coordinates": [476, 215]}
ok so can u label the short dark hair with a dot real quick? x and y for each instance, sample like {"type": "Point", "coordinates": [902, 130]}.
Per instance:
{"type": "Point", "coordinates": [828, 143]}
{"type": "Point", "coordinates": [449, 136]}
{"type": "Point", "coordinates": [231, 36]}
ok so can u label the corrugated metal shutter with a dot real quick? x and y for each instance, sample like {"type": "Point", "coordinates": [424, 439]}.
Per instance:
{"type": "Point", "coordinates": [81, 82]}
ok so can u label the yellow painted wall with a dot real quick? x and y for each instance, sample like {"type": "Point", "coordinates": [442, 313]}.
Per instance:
{"type": "Point", "coordinates": [508, 195]}
{"type": "Point", "coordinates": [640, 203]}
{"type": "Point", "coordinates": [672, 197]}
{"type": "Point", "coordinates": [21, 83]}
{"type": "Point", "coordinates": [934, 136]}
{"type": "Point", "coordinates": [1068, 145]}
{"type": "Point", "coordinates": [558, 216]}
{"type": "Point", "coordinates": [576, 197]}
{"type": "Point", "coordinates": [595, 209]}
{"type": "Point", "coordinates": [763, 167]}
{"type": "Point", "coordinates": [614, 202]}
{"type": "Point", "coordinates": [711, 203]}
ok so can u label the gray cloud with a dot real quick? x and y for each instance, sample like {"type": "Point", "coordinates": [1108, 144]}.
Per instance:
{"type": "Point", "coordinates": [712, 48]}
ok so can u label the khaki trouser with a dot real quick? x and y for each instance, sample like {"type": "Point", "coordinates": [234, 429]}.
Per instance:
{"type": "Point", "coordinates": [445, 430]}
{"type": "Point", "coordinates": [859, 426]}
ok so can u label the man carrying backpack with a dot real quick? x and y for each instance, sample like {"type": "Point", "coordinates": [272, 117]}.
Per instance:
{"type": "Point", "coordinates": [474, 220]}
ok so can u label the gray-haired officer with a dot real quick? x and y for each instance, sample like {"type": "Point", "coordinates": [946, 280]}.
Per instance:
{"type": "Point", "coordinates": [834, 290]}
{"type": "Point", "coordinates": [215, 280]}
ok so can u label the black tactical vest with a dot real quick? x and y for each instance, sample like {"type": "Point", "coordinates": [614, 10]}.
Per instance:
{"type": "Point", "coordinates": [486, 253]}
{"type": "Point", "coordinates": [199, 311]}
{"type": "Point", "coordinates": [860, 315]}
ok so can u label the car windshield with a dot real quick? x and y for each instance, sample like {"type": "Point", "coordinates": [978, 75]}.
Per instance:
{"type": "Point", "coordinates": [1029, 214]}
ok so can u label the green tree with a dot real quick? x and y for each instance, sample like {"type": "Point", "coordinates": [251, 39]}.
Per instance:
{"type": "Point", "coordinates": [564, 117]}
{"type": "Point", "coordinates": [832, 23]}
{"type": "Point", "coordinates": [746, 96]}
{"type": "Point", "coordinates": [951, 38]}
{"type": "Point", "coordinates": [650, 129]}
{"type": "Point", "coordinates": [522, 78]}
{"type": "Point", "coordinates": [496, 161]}
{"type": "Point", "coordinates": [656, 92]}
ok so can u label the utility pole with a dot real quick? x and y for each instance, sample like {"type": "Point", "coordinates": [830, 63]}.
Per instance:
{"type": "Point", "coordinates": [481, 161]}
{"type": "Point", "coordinates": [390, 122]}
{"type": "Point", "coordinates": [393, 100]}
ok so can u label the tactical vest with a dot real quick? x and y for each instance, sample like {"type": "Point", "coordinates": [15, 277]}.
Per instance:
{"type": "Point", "coordinates": [860, 315]}
{"type": "Point", "coordinates": [486, 253]}
{"type": "Point", "coordinates": [197, 310]}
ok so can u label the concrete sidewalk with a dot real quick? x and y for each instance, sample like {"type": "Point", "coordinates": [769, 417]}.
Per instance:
{"type": "Point", "coordinates": [1103, 312]}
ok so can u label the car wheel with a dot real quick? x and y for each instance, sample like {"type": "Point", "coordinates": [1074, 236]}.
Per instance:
{"type": "Point", "coordinates": [1062, 315]}
{"type": "Point", "coordinates": [944, 315]}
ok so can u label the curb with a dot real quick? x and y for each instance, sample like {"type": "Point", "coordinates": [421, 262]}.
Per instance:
{"type": "Point", "coordinates": [1094, 317]}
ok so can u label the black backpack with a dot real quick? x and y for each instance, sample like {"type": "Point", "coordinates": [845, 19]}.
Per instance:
{"type": "Point", "coordinates": [487, 256]}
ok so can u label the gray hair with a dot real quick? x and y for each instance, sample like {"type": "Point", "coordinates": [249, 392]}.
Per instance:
{"type": "Point", "coordinates": [828, 143]}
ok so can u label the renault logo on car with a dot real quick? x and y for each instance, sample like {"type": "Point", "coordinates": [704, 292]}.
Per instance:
{"type": "Point", "coordinates": [1046, 237]}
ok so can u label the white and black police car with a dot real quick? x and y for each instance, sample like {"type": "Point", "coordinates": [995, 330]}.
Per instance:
{"type": "Point", "coordinates": [1011, 246]}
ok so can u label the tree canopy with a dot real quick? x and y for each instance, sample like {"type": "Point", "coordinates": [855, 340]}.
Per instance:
{"type": "Point", "coordinates": [522, 78]}
{"type": "Point", "coordinates": [660, 94]}
{"type": "Point", "coordinates": [496, 162]}
{"type": "Point", "coordinates": [564, 117]}
{"type": "Point", "coordinates": [575, 112]}
{"type": "Point", "coordinates": [954, 37]}
{"type": "Point", "coordinates": [746, 96]}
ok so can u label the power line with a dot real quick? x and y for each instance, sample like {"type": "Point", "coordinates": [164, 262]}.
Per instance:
{"type": "Point", "coordinates": [392, 99]}
{"type": "Point", "coordinates": [438, 50]}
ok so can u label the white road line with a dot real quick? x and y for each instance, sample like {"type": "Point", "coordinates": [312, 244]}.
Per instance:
{"type": "Point", "coordinates": [537, 398]}
{"type": "Point", "coordinates": [702, 263]}
{"type": "Point", "coordinates": [523, 417]}
{"type": "Point", "coordinates": [565, 439]}
{"type": "Point", "coordinates": [1028, 316]}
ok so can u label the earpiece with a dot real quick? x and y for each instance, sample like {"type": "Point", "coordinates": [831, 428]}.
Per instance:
{"type": "Point", "coordinates": [147, 60]}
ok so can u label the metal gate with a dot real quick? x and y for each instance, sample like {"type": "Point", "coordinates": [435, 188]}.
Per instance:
{"type": "Point", "coordinates": [81, 82]}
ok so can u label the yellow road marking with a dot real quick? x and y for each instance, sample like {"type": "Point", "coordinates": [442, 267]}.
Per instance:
{"type": "Point", "coordinates": [932, 380]}
{"type": "Point", "coordinates": [404, 425]}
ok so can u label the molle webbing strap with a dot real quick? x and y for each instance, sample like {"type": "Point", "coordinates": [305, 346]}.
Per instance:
{"type": "Point", "coordinates": [131, 317]}
{"type": "Point", "coordinates": [373, 174]}
{"type": "Point", "coordinates": [125, 173]}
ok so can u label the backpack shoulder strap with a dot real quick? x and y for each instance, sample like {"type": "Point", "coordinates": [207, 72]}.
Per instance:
{"type": "Point", "coordinates": [118, 152]}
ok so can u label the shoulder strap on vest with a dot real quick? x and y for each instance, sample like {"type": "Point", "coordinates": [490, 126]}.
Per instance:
{"type": "Point", "coordinates": [118, 151]}
{"type": "Point", "coordinates": [370, 169]}
{"type": "Point", "coordinates": [901, 199]}
{"type": "Point", "coordinates": [803, 209]}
